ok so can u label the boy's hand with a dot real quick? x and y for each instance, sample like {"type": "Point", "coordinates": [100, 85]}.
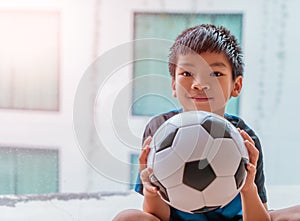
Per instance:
{"type": "Point", "coordinates": [144, 154]}
{"type": "Point", "coordinates": [253, 157]}
{"type": "Point", "coordinates": [149, 189]}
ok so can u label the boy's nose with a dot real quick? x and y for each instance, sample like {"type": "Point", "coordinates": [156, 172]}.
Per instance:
{"type": "Point", "coordinates": [200, 85]}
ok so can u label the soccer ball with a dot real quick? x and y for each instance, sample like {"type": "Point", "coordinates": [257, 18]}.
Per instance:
{"type": "Point", "coordinates": [198, 160]}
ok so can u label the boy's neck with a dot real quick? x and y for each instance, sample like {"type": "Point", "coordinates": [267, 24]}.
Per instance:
{"type": "Point", "coordinates": [218, 112]}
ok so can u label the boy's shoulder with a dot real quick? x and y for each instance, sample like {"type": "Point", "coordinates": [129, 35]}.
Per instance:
{"type": "Point", "coordinates": [164, 116]}
{"type": "Point", "coordinates": [159, 119]}
{"type": "Point", "coordinates": [236, 121]}
{"type": "Point", "coordinates": [156, 121]}
{"type": "Point", "coordinates": [240, 123]}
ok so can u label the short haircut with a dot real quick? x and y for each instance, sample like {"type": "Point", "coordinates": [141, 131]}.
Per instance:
{"type": "Point", "coordinates": [207, 38]}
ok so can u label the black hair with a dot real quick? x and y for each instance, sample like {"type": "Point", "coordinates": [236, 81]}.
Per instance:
{"type": "Point", "coordinates": [207, 38]}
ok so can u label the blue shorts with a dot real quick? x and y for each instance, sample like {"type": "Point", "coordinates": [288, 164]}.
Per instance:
{"type": "Point", "coordinates": [230, 212]}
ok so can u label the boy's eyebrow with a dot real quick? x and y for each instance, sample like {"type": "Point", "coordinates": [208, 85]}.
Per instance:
{"type": "Point", "coordinates": [186, 64]}
{"type": "Point", "coordinates": [217, 64]}
{"type": "Point", "coordinates": [214, 64]}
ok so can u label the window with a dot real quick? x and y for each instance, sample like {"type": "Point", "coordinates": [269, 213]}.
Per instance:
{"type": "Point", "coordinates": [29, 55]}
{"type": "Point", "coordinates": [134, 164]}
{"type": "Point", "coordinates": [28, 171]}
{"type": "Point", "coordinates": [167, 26]}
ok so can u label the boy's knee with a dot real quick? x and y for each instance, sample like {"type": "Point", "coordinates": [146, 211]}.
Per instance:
{"type": "Point", "coordinates": [125, 215]}
{"type": "Point", "coordinates": [286, 214]}
{"type": "Point", "coordinates": [134, 215]}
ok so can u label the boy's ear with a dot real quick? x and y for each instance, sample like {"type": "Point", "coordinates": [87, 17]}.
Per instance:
{"type": "Point", "coordinates": [173, 87]}
{"type": "Point", "coordinates": [237, 86]}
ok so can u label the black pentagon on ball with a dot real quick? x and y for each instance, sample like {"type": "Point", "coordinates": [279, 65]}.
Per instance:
{"type": "Point", "coordinates": [198, 174]}
{"type": "Point", "coordinates": [240, 174]}
{"type": "Point", "coordinates": [162, 190]}
{"type": "Point", "coordinates": [206, 209]}
{"type": "Point", "coordinates": [167, 141]}
{"type": "Point", "coordinates": [216, 127]}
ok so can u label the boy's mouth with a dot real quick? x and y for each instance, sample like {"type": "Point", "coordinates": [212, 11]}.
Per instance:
{"type": "Point", "coordinates": [200, 98]}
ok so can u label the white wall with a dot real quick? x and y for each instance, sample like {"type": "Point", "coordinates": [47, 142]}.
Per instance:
{"type": "Point", "coordinates": [55, 129]}
{"type": "Point", "coordinates": [269, 101]}
{"type": "Point", "coordinates": [269, 93]}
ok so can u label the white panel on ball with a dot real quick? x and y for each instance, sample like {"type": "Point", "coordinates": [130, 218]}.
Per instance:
{"type": "Point", "coordinates": [166, 164]}
{"type": "Point", "coordinates": [197, 140]}
{"type": "Point", "coordinates": [227, 150]}
{"type": "Point", "coordinates": [188, 118]}
{"type": "Point", "coordinates": [213, 193]}
{"type": "Point", "coordinates": [193, 199]}
{"type": "Point", "coordinates": [173, 179]}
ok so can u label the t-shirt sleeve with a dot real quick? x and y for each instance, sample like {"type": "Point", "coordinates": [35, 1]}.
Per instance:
{"type": "Point", "coordinates": [259, 177]}
{"type": "Point", "coordinates": [149, 130]}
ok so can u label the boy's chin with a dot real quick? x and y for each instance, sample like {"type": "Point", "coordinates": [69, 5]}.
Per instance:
{"type": "Point", "coordinates": [219, 111]}
{"type": "Point", "coordinates": [197, 109]}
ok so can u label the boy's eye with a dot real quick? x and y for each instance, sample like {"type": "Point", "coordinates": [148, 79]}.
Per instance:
{"type": "Point", "coordinates": [187, 74]}
{"type": "Point", "coordinates": [216, 74]}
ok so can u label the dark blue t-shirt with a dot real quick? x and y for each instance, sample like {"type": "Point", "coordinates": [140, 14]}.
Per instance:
{"type": "Point", "coordinates": [230, 212]}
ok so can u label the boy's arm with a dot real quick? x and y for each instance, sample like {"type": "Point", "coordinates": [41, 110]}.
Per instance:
{"type": "Point", "coordinates": [152, 202]}
{"type": "Point", "coordinates": [253, 208]}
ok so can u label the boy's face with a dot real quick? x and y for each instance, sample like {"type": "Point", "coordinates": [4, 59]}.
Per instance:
{"type": "Point", "coordinates": [204, 82]}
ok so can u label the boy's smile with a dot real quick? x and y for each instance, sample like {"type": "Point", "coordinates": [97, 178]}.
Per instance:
{"type": "Point", "coordinates": [204, 82]}
{"type": "Point", "coordinates": [200, 98]}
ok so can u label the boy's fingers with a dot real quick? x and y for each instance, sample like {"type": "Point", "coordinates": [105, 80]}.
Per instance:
{"type": "Point", "coordinates": [150, 189]}
{"type": "Point", "coordinates": [251, 168]}
{"type": "Point", "coordinates": [145, 151]}
{"type": "Point", "coordinates": [250, 145]}
{"type": "Point", "coordinates": [146, 181]}
{"type": "Point", "coordinates": [147, 141]}
{"type": "Point", "coordinates": [144, 154]}
{"type": "Point", "coordinates": [251, 171]}
{"type": "Point", "coordinates": [252, 151]}
{"type": "Point", "coordinates": [145, 174]}
{"type": "Point", "coordinates": [246, 136]}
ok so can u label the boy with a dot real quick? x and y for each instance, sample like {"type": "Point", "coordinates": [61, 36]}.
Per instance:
{"type": "Point", "coordinates": [206, 66]}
